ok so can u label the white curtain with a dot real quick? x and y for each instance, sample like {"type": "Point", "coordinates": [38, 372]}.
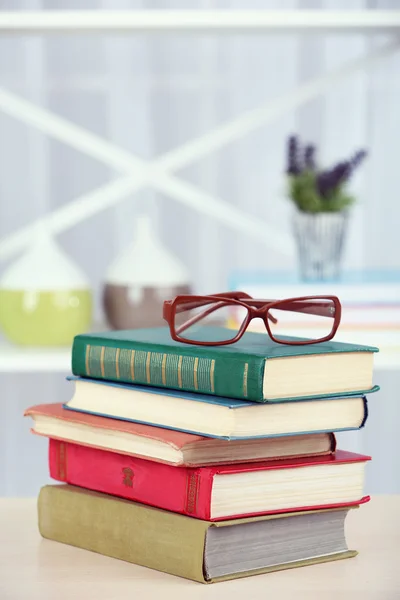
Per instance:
{"type": "Point", "coordinates": [151, 93]}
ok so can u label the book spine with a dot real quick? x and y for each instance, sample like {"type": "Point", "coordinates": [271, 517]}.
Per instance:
{"type": "Point", "coordinates": [191, 369]}
{"type": "Point", "coordinates": [366, 413]}
{"type": "Point", "coordinates": [333, 442]}
{"type": "Point", "coordinates": [127, 531]}
{"type": "Point", "coordinates": [177, 489]}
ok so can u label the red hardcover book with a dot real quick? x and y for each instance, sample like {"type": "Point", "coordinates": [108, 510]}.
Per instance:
{"type": "Point", "coordinates": [218, 492]}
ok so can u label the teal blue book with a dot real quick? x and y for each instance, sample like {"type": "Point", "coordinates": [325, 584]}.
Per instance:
{"type": "Point", "coordinates": [215, 416]}
{"type": "Point", "coordinates": [254, 369]}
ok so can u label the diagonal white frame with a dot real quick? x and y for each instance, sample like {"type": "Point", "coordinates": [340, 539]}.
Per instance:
{"type": "Point", "coordinates": [157, 173]}
{"type": "Point", "coordinates": [192, 20]}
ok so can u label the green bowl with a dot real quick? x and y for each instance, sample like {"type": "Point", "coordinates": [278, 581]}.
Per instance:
{"type": "Point", "coordinates": [36, 318]}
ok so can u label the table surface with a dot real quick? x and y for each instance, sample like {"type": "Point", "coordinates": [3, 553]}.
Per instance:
{"type": "Point", "coordinates": [33, 568]}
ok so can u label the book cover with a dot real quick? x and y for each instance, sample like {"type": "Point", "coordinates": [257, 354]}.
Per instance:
{"type": "Point", "coordinates": [143, 535]}
{"type": "Point", "coordinates": [175, 440]}
{"type": "Point", "coordinates": [150, 356]}
{"type": "Point", "coordinates": [184, 490]}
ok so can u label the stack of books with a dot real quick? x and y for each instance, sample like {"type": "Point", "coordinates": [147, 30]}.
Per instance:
{"type": "Point", "coordinates": [209, 463]}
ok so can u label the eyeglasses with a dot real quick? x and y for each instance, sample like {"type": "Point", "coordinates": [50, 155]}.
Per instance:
{"type": "Point", "coordinates": [192, 319]}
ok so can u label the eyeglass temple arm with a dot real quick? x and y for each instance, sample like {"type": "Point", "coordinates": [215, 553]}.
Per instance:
{"type": "Point", "coordinates": [190, 304]}
{"type": "Point", "coordinates": [303, 306]}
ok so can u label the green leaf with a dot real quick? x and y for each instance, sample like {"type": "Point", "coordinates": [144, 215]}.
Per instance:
{"type": "Point", "coordinates": [304, 193]}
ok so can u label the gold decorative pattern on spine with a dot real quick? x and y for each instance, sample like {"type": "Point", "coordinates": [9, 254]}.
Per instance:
{"type": "Point", "coordinates": [102, 352]}
{"type": "Point", "coordinates": [163, 373]}
{"type": "Point", "coordinates": [192, 490]}
{"type": "Point", "coordinates": [180, 371]}
{"type": "Point", "coordinates": [62, 460]}
{"type": "Point", "coordinates": [196, 366]}
{"type": "Point", "coordinates": [212, 375]}
{"type": "Point", "coordinates": [87, 360]}
{"type": "Point", "coordinates": [148, 357]}
{"type": "Point", "coordinates": [246, 370]}
{"type": "Point", "coordinates": [133, 365]}
{"type": "Point", "coordinates": [117, 362]}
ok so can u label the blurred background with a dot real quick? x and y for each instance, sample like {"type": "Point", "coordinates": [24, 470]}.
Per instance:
{"type": "Point", "coordinates": [136, 164]}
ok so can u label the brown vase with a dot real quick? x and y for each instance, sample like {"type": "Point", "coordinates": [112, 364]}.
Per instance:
{"type": "Point", "coordinates": [139, 281]}
{"type": "Point", "coordinates": [125, 310]}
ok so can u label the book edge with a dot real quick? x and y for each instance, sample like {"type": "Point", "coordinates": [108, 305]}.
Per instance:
{"type": "Point", "coordinates": [283, 567]}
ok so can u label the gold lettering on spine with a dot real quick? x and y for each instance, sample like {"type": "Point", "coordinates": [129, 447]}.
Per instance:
{"type": "Point", "coordinates": [132, 365]}
{"type": "Point", "coordinates": [196, 366]}
{"type": "Point", "coordinates": [212, 375]}
{"type": "Point", "coordinates": [246, 370]}
{"type": "Point", "coordinates": [180, 371]}
{"type": "Point", "coordinates": [87, 360]}
{"type": "Point", "coordinates": [163, 373]}
{"type": "Point", "coordinates": [148, 367]}
{"type": "Point", "coordinates": [102, 352]}
{"type": "Point", "coordinates": [117, 362]}
{"type": "Point", "coordinates": [127, 476]}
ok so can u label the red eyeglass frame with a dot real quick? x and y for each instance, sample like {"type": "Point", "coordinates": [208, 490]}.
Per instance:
{"type": "Point", "coordinates": [256, 308]}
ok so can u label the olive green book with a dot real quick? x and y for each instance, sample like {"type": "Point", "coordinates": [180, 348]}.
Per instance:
{"type": "Point", "coordinates": [255, 368]}
{"type": "Point", "coordinates": [179, 545]}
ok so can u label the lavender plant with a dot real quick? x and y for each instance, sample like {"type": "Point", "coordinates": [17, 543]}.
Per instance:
{"type": "Point", "coordinates": [316, 190]}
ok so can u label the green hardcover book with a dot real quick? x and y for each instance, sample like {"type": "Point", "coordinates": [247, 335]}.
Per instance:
{"type": "Point", "coordinates": [255, 368]}
{"type": "Point", "coordinates": [199, 550]}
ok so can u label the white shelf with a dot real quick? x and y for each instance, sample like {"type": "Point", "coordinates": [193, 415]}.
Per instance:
{"type": "Point", "coordinates": [319, 21]}
{"type": "Point", "coordinates": [18, 359]}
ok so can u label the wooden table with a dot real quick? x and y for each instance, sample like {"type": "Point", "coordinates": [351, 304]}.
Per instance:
{"type": "Point", "coordinates": [33, 569]}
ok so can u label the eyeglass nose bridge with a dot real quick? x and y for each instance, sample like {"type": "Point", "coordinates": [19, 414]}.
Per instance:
{"type": "Point", "coordinates": [263, 314]}
{"type": "Point", "coordinates": [259, 313]}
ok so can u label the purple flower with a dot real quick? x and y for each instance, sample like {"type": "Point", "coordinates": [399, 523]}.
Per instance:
{"type": "Point", "coordinates": [329, 180]}
{"type": "Point", "coordinates": [324, 182]}
{"type": "Point", "coordinates": [293, 167]}
{"type": "Point", "coordinates": [309, 157]}
{"type": "Point", "coordinates": [358, 159]}
{"type": "Point", "coordinates": [341, 172]}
